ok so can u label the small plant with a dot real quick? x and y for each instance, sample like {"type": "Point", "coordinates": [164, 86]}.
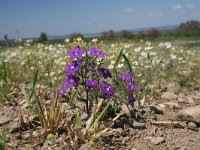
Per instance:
{"type": "Point", "coordinates": [3, 138]}
{"type": "Point", "coordinates": [92, 82]}
{"type": "Point", "coordinates": [5, 86]}
{"type": "Point", "coordinates": [50, 117]}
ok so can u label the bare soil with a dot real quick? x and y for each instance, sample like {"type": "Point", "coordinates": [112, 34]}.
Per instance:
{"type": "Point", "coordinates": [127, 137]}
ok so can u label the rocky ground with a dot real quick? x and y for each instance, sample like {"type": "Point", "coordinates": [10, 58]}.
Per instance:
{"type": "Point", "coordinates": [170, 123]}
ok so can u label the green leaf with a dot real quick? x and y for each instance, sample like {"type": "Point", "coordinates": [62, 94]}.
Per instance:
{"type": "Point", "coordinates": [5, 73]}
{"type": "Point", "coordinates": [38, 104]}
{"type": "Point", "coordinates": [78, 122]}
{"type": "Point", "coordinates": [3, 138]}
{"type": "Point", "coordinates": [118, 57]}
{"type": "Point", "coordinates": [34, 83]}
{"type": "Point", "coordinates": [35, 78]}
{"type": "Point", "coordinates": [128, 63]}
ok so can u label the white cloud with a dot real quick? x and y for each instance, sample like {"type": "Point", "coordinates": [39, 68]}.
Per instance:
{"type": "Point", "coordinates": [189, 5]}
{"type": "Point", "coordinates": [128, 10]}
{"type": "Point", "coordinates": [182, 6]}
{"type": "Point", "coordinates": [156, 14]}
{"type": "Point", "coordinates": [177, 7]}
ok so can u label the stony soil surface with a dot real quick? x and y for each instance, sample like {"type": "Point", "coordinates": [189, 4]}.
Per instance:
{"type": "Point", "coordinates": [170, 123]}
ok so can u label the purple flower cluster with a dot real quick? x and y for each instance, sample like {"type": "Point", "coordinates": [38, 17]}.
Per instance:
{"type": "Point", "coordinates": [72, 68]}
{"type": "Point", "coordinates": [130, 86]}
{"type": "Point", "coordinates": [125, 76]}
{"type": "Point", "coordinates": [69, 82]}
{"type": "Point", "coordinates": [92, 83]}
{"type": "Point", "coordinates": [97, 52]}
{"type": "Point", "coordinates": [76, 53]}
{"type": "Point", "coordinates": [75, 70]}
{"type": "Point", "coordinates": [107, 89]}
{"type": "Point", "coordinates": [105, 73]}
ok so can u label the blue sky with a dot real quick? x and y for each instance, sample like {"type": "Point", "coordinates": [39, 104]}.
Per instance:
{"type": "Point", "coordinates": [61, 17]}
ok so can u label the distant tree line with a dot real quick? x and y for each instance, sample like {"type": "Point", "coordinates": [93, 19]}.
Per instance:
{"type": "Point", "coordinates": [189, 28]}
{"type": "Point", "coordinates": [185, 29]}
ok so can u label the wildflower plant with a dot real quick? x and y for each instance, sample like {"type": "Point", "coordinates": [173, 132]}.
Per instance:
{"type": "Point", "coordinates": [3, 138]}
{"type": "Point", "coordinates": [94, 84]}
{"type": "Point", "coordinates": [87, 76]}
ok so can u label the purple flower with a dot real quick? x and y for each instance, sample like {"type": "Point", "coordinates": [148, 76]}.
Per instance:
{"type": "Point", "coordinates": [92, 83]}
{"type": "Point", "coordinates": [72, 81]}
{"type": "Point", "coordinates": [105, 72]}
{"type": "Point", "coordinates": [125, 76]}
{"type": "Point", "coordinates": [107, 89]}
{"type": "Point", "coordinates": [96, 52]}
{"type": "Point", "coordinates": [132, 87]}
{"type": "Point", "coordinates": [62, 90]}
{"type": "Point", "coordinates": [76, 53]}
{"type": "Point", "coordinates": [72, 68]}
{"type": "Point", "coordinates": [132, 100]}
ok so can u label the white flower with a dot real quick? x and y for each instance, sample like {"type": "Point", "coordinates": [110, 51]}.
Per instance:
{"type": "Point", "coordinates": [120, 65]}
{"type": "Point", "coordinates": [152, 53]}
{"type": "Point", "coordinates": [94, 40]}
{"type": "Point", "coordinates": [135, 63]}
{"type": "Point", "coordinates": [144, 54]}
{"type": "Point", "coordinates": [113, 45]}
{"type": "Point", "coordinates": [67, 40]}
{"type": "Point", "coordinates": [138, 49]}
{"type": "Point", "coordinates": [168, 45]}
{"type": "Point", "coordinates": [128, 46]}
{"type": "Point", "coordinates": [139, 75]}
{"type": "Point", "coordinates": [79, 39]}
{"type": "Point", "coordinates": [148, 48]}
{"type": "Point", "coordinates": [112, 62]}
{"type": "Point", "coordinates": [180, 58]}
{"type": "Point", "coordinates": [110, 66]}
{"type": "Point", "coordinates": [173, 56]}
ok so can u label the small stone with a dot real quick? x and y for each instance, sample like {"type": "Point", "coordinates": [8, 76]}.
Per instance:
{"type": "Point", "coordinates": [84, 116]}
{"type": "Point", "coordinates": [4, 120]}
{"type": "Point", "coordinates": [157, 140]}
{"type": "Point", "coordinates": [182, 148]}
{"type": "Point", "coordinates": [162, 106]}
{"type": "Point", "coordinates": [18, 136]}
{"type": "Point", "coordinates": [1, 114]}
{"type": "Point", "coordinates": [191, 114]}
{"type": "Point", "coordinates": [192, 124]}
{"type": "Point", "coordinates": [26, 136]}
{"type": "Point", "coordinates": [14, 128]}
{"type": "Point", "coordinates": [86, 147]}
{"type": "Point", "coordinates": [125, 109]}
{"type": "Point", "coordinates": [186, 100]}
{"type": "Point", "coordinates": [169, 96]}
{"type": "Point", "coordinates": [171, 105]}
{"type": "Point", "coordinates": [138, 125]}
{"type": "Point", "coordinates": [156, 109]}
{"type": "Point", "coordinates": [173, 87]}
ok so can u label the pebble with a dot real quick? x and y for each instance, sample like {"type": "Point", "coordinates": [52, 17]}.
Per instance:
{"type": "Point", "coordinates": [186, 100]}
{"type": "Point", "coordinates": [169, 96]}
{"type": "Point", "coordinates": [192, 125]}
{"type": "Point", "coordinates": [138, 125]}
{"type": "Point", "coordinates": [157, 140]}
{"type": "Point", "coordinates": [171, 105]}
{"type": "Point", "coordinates": [173, 87]}
{"type": "Point", "coordinates": [2, 114]}
{"type": "Point", "coordinates": [4, 120]}
{"type": "Point", "coordinates": [86, 146]}
{"type": "Point", "coordinates": [191, 114]}
{"type": "Point", "coordinates": [125, 109]}
{"type": "Point", "coordinates": [156, 109]}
